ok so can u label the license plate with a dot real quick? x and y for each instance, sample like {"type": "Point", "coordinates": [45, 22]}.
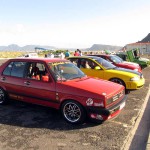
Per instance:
{"type": "Point", "coordinates": [122, 105]}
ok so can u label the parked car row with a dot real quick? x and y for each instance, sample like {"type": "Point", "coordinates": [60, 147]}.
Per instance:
{"type": "Point", "coordinates": [100, 68]}
{"type": "Point", "coordinates": [119, 62]}
{"type": "Point", "coordinates": [134, 55]}
{"type": "Point", "coordinates": [60, 84]}
{"type": "Point", "coordinates": [81, 87]}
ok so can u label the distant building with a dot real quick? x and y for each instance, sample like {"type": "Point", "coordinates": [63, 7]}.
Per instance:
{"type": "Point", "coordinates": [143, 47]}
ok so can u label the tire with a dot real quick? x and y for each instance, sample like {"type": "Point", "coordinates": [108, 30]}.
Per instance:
{"type": "Point", "coordinates": [3, 97]}
{"type": "Point", "coordinates": [127, 92]}
{"type": "Point", "coordinates": [119, 81]}
{"type": "Point", "coordinates": [73, 112]}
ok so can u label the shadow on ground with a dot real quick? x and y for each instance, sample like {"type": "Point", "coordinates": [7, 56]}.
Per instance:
{"type": "Point", "coordinates": [22, 114]}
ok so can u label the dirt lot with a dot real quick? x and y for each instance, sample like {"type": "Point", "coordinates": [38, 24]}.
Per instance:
{"type": "Point", "coordinates": [30, 127]}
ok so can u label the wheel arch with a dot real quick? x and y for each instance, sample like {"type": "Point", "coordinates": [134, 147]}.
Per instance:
{"type": "Point", "coordinates": [82, 115]}
{"type": "Point", "coordinates": [70, 99]}
{"type": "Point", "coordinates": [118, 79]}
{"type": "Point", "coordinates": [6, 96]}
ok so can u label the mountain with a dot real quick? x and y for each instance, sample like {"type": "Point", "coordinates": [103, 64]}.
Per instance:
{"type": "Point", "coordinates": [94, 47]}
{"type": "Point", "coordinates": [146, 39]}
{"type": "Point", "coordinates": [104, 47]}
{"type": "Point", "coordinates": [14, 47]}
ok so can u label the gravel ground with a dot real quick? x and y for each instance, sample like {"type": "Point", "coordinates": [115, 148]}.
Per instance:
{"type": "Point", "coordinates": [31, 127]}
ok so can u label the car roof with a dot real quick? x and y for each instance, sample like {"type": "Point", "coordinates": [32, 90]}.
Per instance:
{"type": "Point", "coordinates": [102, 55]}
{"type": "Point", "coordinates": [47, 60]}
{"type": "Point", "coordinates": [91, 57]}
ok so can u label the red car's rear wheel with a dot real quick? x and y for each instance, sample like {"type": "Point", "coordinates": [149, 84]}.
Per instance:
{"type": "Point", "coordinates": [3, 97]}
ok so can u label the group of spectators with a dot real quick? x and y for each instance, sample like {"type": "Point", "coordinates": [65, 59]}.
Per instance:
{"type": "Point", "coordinates": [64, 55]}
{"type": "Point", "coordinates": [78, 53]}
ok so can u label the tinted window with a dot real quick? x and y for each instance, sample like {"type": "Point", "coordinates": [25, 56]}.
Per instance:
{"type": "Point", "coordinates": [65, 71]}
{"type": "Point", "coordinates": [7, 70]}
{"type": "Point", "coordinates": [104, 63]}
{"type": "Point", "coordinates": [15, 69]}
{"type": "Point", "coordinates": [115, 59]}
{"type": "Point", "coordinates": [35, 70]}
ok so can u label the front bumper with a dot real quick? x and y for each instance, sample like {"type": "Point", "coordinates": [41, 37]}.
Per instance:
{"type": "Point", "coordinates": [106, 113]}
{"type": "Point", "coordinates": [134, 85]}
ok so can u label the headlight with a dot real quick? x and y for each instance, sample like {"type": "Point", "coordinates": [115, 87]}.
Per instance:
{"type": "Point", "coordinates": [135, 79]}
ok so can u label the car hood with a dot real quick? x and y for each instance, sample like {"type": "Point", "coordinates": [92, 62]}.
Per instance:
{"type": "Point", "coordinates": [89, 87]}
{"type": "Point", "coordinates": [130, 63]}
{"type": "Point", "coordinates": [127, 70]}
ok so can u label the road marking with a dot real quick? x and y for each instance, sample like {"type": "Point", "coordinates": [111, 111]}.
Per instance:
{"type": "Point", "coordinates": [131, 134]}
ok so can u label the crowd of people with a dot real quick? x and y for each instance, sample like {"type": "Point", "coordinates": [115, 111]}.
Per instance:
{"type": "Point", "coordinates": [78, 53]}
{"type": "Point", "coordinates": [63, 55]}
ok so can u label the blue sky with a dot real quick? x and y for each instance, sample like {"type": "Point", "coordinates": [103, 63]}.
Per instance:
{"type": "Point", "coordinates": [73, 23]}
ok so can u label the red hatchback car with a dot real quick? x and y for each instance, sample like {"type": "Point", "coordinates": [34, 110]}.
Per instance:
{"type": "Point", "coordinates": [59, 84]}
{"type": "Point", "coordinates": [117, 61]}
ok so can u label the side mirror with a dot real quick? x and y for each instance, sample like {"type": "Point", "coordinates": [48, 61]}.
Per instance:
{"type": "Point", "coordinates": [97, 68]}
{"type": "Point", "coordinates": [45, 78]}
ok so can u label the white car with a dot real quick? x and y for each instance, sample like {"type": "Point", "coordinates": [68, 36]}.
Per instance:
{"type": "Point", "coordinates": [30, 55]}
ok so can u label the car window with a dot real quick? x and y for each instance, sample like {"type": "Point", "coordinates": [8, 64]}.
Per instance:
{"type": "Point", "coordinates": [36, 70]}
{"type": "Point", "coordinates": [104, 63]}
{"type": "Point", "coordinates": [65, 71]}
{"type": "Point", "coordinates": [121, 60]}
{"type": "Point", "coordinates": [84, 63]}
{"type": "Point", "coordinates": [74, 61]}
{"type": "Point", "coordinates": [15, 69]}
{"type": "Point", "coordinates": [115, 59]}
{"type": "Point", "coordinates": [7, 70]}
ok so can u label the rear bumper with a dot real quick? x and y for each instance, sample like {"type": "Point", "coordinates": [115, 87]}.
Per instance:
{"type": "Point", "coordinates": [106, 113]}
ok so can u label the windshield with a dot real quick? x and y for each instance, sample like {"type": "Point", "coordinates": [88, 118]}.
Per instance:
{"type": "Point", "coordinates": [106, 64]}
{"type": "Point", "coordinates": [65, 71]}
{"type": "Point", "coordinates": [116, 59]}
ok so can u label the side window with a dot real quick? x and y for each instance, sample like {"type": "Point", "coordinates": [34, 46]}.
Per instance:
{"type": "Point", "coordinates": [91, 64]}
{"type": "Point", "coordinates": [85, 63]}
{"type": "Point", "coordinates": [81, 63]}
{"type": "Point", "coordinates": [15, 69]}
{"type": "Point", "coordinates": [74, 61]}
{"type": "Point", "coordinates": [109, 59]}
{"type": "Point", "coordinates": [36, 71]}
{"type": "Point", "coordinates": [7, 70]}
{"type": "Point", "coordinates": [18, 69]}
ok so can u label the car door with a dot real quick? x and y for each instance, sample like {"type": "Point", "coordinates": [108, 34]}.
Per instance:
{"type": "Point", "coordinates": [37, 90]}
{"type": "Point", "coordinates": [12, 79]}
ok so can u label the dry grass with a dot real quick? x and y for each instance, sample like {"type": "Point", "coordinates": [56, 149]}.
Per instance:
{"type": "Point", "coordinates": [10, 54]}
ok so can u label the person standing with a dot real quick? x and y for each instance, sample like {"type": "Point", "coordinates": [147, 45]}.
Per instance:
{"type": "Point", "coordinates": [80, 53]}
{"type": "Point", "coordinates": [67, 54]}
{"type": "Point", "coordinates": [76, 53]}
{"type": "Point", "coordinates": [62, 56]}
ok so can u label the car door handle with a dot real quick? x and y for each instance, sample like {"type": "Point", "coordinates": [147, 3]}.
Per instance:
{"type": "Point", "coordinates": [3, 78]}
{"type": "Point", "coordinates": [27, 82]}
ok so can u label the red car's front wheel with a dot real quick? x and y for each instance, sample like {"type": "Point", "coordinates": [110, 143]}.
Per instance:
{"type": "Point", "coordinates": [73, 112]}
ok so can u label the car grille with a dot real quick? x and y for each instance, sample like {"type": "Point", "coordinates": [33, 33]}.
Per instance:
{"type": "Point", "coordinates": [114, 98]}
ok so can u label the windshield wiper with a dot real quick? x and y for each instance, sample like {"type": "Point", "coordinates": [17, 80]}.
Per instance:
{"type": "Point", "coordinates": [76, 77]}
